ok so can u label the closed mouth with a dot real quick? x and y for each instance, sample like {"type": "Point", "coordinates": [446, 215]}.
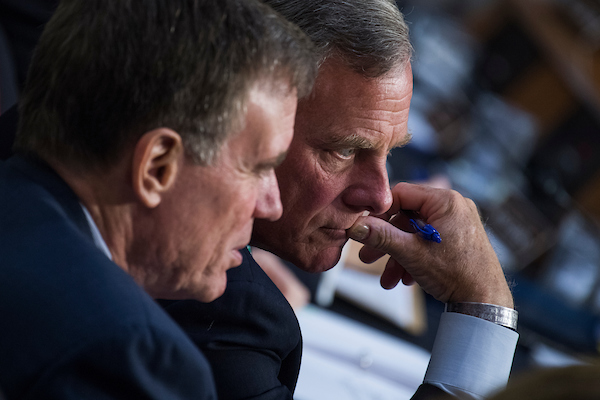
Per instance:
{"type": "Point", "coordinates": [335, 233]}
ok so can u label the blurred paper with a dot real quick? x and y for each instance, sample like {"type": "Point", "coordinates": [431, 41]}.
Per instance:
{"type": "Point", "coordinates": [359, 284]}
{"type": "Point", "coordinates": [344, 359]}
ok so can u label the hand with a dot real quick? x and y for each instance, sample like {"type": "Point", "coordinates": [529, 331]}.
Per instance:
{"type": "Point", "coordinates": [463, 267]}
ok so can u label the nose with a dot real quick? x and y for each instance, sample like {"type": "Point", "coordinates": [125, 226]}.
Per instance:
{"type": "Point", "coordinates": [268, 201]}
{"type": "Point", "coordinates": [369, 189]}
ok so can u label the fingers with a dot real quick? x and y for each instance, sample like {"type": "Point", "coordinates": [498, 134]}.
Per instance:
{"type": "Point", "coordinates": [369, 254]}
{"type": "Point", "coordinates": [463, 267]}
{"type": "Point", "coordinates": [409, 196]}
{"type": "Point", "coordinates": [394, 273]}
{"type": "Point", "coordinates": [379, 236]}
{"type": "Point", "coordinates": [431, 203]}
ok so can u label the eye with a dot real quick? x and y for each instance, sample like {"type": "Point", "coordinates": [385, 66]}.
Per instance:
{"type": "Point", "coordinates": [346, 153]}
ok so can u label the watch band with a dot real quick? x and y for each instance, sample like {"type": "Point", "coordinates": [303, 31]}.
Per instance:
{"type": "Point", "coordinates": [504, 316]}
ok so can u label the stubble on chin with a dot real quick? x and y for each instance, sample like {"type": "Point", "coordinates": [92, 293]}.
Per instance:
{"type": "Point", "coordinates": [321, 259]}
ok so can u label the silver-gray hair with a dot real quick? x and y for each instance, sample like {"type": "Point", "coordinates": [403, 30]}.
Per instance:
{"type": "Point", "coordinates": [370, 36]}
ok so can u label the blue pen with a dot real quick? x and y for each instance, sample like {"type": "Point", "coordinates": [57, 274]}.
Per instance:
{"type": "Point", "coordinates": [424, 230]}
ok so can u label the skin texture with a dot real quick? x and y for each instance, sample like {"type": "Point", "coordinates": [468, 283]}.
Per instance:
{"type": "Point", "coordinates": [336, 168]}
{"type": "Point", "coordinates": [462, 268]}
{"type": "Point", "coordinates": [336, 171]}
{"type": "Point", "coordinates": [175, 226]}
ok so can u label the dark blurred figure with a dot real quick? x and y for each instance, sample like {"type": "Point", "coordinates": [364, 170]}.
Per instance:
{"type": "Point", "coordinates": [21, 24]}
{"type": "Point", "coordinates": [8, 77]}
{"type": "Point", "coordinates": [581, 382]}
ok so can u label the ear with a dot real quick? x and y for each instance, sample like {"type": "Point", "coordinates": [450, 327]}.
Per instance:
{"type": "Point", "coordinates": [155, 166]}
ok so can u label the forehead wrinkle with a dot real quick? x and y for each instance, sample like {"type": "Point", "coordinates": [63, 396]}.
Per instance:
{"type": "Point", "coordinates": [378, 124]}
{"type": "Point", "coordinates": [389, 98]}
{"type": "Point", "coordinates": [390, 110]}
{"type": "Point", "coordinates": [380, 104]}
{"type": "Point", "coordinates": [381, 119]}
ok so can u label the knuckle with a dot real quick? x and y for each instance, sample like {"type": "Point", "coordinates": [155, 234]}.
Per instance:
{"type": "Point", "coordinates": [456, 197]}
{"type": "Point", "coordinates": [383, 240]}
{"type": "Point", "coordinates": [472, 205]}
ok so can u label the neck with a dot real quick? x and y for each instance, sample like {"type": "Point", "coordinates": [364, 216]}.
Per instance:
{"type": "Point", "coordinates": [109, 202]}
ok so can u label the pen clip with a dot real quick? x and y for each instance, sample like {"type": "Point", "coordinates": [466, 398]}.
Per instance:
{"type": "Point", "coordinates": [426, 231]}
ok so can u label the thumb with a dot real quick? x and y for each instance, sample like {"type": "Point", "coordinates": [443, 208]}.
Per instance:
{"type": "Point", "coordinates": [380, 235]}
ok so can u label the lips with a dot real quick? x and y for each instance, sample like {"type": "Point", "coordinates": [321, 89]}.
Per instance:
{"type": "Point", "coordinates": [335, 226]}
{"type": "Point", "coordinates": [236, 251]}
{"type": "Point", "coordinates": [338, 227]}
{"type": "Point", "coordinates": [244, 239]}
{"type": "Point", "coordinates": [335, 233]}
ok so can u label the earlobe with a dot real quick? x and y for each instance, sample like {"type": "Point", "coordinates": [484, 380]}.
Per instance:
{"type": "Point", "coordinates": [155, 166]}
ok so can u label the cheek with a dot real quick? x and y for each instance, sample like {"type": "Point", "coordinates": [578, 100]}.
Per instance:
{"type": "Point", "coordinates": [309, 194]}
{"type": "Point", "coordinates": [241, 210]}
{"type": "Point", "coordinates": [306, 186]}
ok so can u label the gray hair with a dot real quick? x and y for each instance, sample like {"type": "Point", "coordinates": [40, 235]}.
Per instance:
{"type": "Point", "coordinates": [370, 36]}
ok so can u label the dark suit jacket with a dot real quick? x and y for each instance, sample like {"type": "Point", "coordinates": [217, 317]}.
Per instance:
{"type": "Point", "coordinates": [8, 129]}
{"type": "Point", "coordinates": [250, 335]}
{"type": "Point", "coordinates": [73, 324]}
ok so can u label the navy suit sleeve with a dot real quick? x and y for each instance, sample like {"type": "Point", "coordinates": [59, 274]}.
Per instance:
{"type": "Point", "coordinates": [134, 365]}
{"type": "Point", "coordinates": [430, 392]}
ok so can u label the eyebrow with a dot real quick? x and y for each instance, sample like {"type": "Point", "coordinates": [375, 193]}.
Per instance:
{"type": "Point", "coordinates": [358, 142]}
{"type": "Point", "coordinates": [272, 163]}
{"type": "Point", "coordinates": [402, 142]}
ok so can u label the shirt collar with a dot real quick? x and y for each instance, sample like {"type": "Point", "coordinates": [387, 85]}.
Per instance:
{"type": "Point", "coordinates": [96, 236]}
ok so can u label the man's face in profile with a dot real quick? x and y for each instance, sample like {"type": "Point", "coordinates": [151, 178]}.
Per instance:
{"type": "Point", "coordinates": [209, 216]}
{"type": "Point", "coordinates": [336, 167]}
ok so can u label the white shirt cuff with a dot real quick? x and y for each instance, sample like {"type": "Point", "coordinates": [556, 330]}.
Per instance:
{"type": "Point", "coordinates": [471, 357]}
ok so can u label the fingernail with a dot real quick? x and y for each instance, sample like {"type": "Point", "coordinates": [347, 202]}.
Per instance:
{"type": "Point", "coordinates": [359, 232]}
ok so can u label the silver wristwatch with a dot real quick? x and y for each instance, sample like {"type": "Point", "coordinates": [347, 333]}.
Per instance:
{"type": "Point", "coordinates": [504, 316]}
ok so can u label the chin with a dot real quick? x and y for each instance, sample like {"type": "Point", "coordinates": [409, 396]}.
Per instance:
{"type": "Point", "coordinates": [212, 296]}
{"type": "Point", "coordinates": [322, 260]}
{"type": "Point", "coordinates": [205, 292]}
{"type": "Point", "coordinates": [205, 295]}
{"type": "Point", "coordinates": [213, 292]}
